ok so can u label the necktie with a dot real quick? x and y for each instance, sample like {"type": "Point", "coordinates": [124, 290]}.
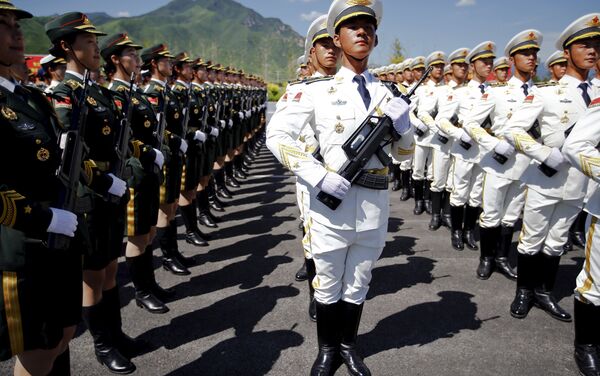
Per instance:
{"type": "Point", "coordinates": [482, 88]}
{"type": "Point", "coordinates": [586, 97]}
{"type": "Point", "coordinates": [362, 90]}
{"type": "Point", "coordinates": [525, 89]}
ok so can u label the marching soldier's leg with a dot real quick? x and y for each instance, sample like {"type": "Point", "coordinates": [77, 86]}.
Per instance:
{"type": "Point", "coordinates": [420, 160]}
{"type": "Point", "coordinates": [310, 268]}
{"type": "Point", "coordinates": [428, 181]}
{"type": "Point", "coordinates": [577, 230]}
{"type": "Point", "coordinates": [438, 187]}
{"type": "Point", "coordinates": [150, 279]}
{"type": "Point", "coordinates": [139, 270]}
{"type": "Point", "coordinates": [462, 172]}
{"type": "Point", "coordinates": [513, 202]}
{"type": "Point", "coordinates": [587, 305]}
{"type": "Point", "coordinates": [395, 172]}
{"type": "Point", "coordinates": [446, 209]}
{"type": "Point", "coordinates": [405, 182]}
{"type": "Point", "coordinates": [189, 215]}
{"type": "Point", "coordinates": [473, 208]}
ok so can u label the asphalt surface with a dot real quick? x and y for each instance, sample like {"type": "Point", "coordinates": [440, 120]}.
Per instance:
{"type": "Point", "coordinates": [242, 313]}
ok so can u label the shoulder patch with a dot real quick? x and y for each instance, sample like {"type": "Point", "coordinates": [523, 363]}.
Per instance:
{"type": "Point", "coordinates": [121, 88]}
{"type": "Point", "coordinates": [292, 83]}
{"type": "Point", "coordinates": [317, 79]}
{"type": "Point", "coordinates": [546, 84]}
{"type": "Point", "coordinates": [528, 99]}
{"type": "Point", "coordinates": [180, 88]}
{"type": "Point", "coordinates": [73, 84]}
{"type": "Point", "coordinates": [498, 84]}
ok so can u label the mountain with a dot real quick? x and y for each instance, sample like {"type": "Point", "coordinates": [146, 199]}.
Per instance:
{"type": "Point", "coordinates": [220, 30]}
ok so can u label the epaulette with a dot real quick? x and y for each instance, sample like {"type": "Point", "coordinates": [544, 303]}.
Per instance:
{"type": "Point", "coordinates": [121, 88]}
{"type": "Point", "coordinates": [180, 87]}
{"type": "Point", "coordinates": [546, 84]}
{"type": "Point", "coordinates": [312, 80]}
{"type": "Point", "coordinates": [73, 84]}
{"type": "Point", "coordinates": [291, 83]}
{"type": "Point", "coordinates": [159, 89]}
{"type": "Point", "coordinates": [498, 84]}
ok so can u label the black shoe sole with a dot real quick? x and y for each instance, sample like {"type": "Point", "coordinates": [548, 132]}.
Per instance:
{"type": "Point", "coordinates": [516, 316]}
{"type": "Point", "coordinates": [155, 311]}
{"type": "Point", "coordinates": [176, 273]}
{"type": "Point", "coordinates": [483, 278]}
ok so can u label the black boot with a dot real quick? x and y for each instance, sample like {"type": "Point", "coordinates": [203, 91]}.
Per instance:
{"type": "Point", "coordinates": [405, 182]}
{"type": "Point", "coordinates": [106, 352]}
{"type": "Point", "coordinates": [238, 172]}
{"type": "Point", "coordinates": [159, 292]}
{"type": "Point", "coordinates": [396, 177]}
{"type": "Point", "coordinates": [170, 251]}
{"type": "Point", "coordinates": [62, 364]}
{"type": "Point", "coordinates": [427, 197]}
{"type": "Point", "coordinates": [213, 200]}
{"type": "Point", "coordinates": [220, 188]}
{"type": "Point", "coordinates": [144, 298]}
{"type": "Point", "coordinates": [526, 280]}
{"type": "Point", "coordinates": [436, 206]}
{"type": "Point", "coordinates": [457, 214]}
{"type": "Point", "coordinates": [446, 212]}
{"type": "Point", "coordinates": [471, 215]}
{"type": "Point", "coordinates": [419, 202]}
{"type": "Point", "coordinates": [128, 346]}
{"type": "Point", "coordinates": [586, 340]}
{"type": "Point", "coordinates": [230, 180]}
{"type": "Point", "coordinates": [577, 230]}
{"type": "Point", "coordinates": [489, 241]}
{"type": "Point", "coordinates": [204, 218]}
{"type": "Point", "coordinates": [311, 272]}
{"type": "Point", "coordinates": [543, 298]}
{"type": "Point", "coordinates": [301, 274]}
{"type": "Point", "coordinates": [190, 220]}
{"type": "Point", "coordinates": [328, 334]}
{"type": "Point", "coordinates": [502, 265]}
{"type": "Point", "coordinates": [350, 320]}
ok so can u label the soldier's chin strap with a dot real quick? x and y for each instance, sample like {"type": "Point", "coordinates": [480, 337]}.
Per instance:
{"type": "Point", "coordinates": [76, 59]}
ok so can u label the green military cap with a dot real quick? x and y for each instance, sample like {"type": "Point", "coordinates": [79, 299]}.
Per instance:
{"type": "Point", "coordinates": [182, 58]}
{"type": "Point", "coordinates": [70, 23]}
{"type": "Point", "coordinates": [116, 43]}
{"type": "Point", "coordinates": [210, 65]}
{"type": "Point", "coordinates": [8, 6]}
{"type": "Point", "coordinates": [199, 63]}
{"type": "Point", "coordinates": [155, 52]}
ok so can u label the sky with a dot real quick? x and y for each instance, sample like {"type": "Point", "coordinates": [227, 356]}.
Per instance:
{"type": "Point", "coordinates": [422, 26]}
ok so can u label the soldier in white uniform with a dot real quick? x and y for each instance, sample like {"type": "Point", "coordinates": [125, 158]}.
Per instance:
{"type": "Point", "coordinates": [503, 194]}
{"type": "Point", "coordinates": [347, 241]}
{"type": "Point", "coordinates": [429, 106]}
{"type": "Point", "coordinates": [596, 79]}
{"type": "Point", "coordinates": [467, 176]}
{"type": "Point", "coordinates": [582, 149]}
{"type": "Point", "coordinates": [55, 68]}
{"type": "Point", "coordinates": [556, 65]}
{"type": "Point", "coordinates": [555, 189]}
{"type": "Point", "coordinates": [501, 69]}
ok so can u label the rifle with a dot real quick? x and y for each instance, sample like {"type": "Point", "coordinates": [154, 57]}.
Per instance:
{"type": "Point", "coordinates": [162, 124]}
{"type": "Point", "coordinates": [69, 171]}
{"type": "Point", "coordinates": [186, 115]}
{"type": "Point", "coordinates": [366, 142]}
{"type": "Point", "coordinates": [419, 132]}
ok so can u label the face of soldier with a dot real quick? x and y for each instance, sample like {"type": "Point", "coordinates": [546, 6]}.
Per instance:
{"type": "Point", "coordinates": [201, 74]}
{"type": "Point", "coordinates": [164, 66]}
{"type": "Point", "coordinates": [418, 73]}
{"type": "Point", "coordinates": [187, 73]}
{"type": "Point", "coordinates": [408, 76]}
{"type": "Point", "coordinates": [524, 60]}
{"type": "Point", "coordinates": [482, 67]}
{"type": "Point", "coordinates": [459, 71]}
{"type": "Point", "coordinates": [86, 50]}
{"type": "Point", "coordinates": [212, 75]}
{"type": "Point", "coordinates": [501, 74]}
{"type": "Point", "coordinates": [356, 37]}
{"type": "Point", "coordinates": [399, 77]}
{"type": "Point", "coordinates": [558, 70]}
{"type": "Point", "coordinates": [326, 53]}
{"type": "Point", "coordinates": [438, 71]}
{"type": "Point", "coordinates": [304, 71]}
{"type": "Point", "coordinates": [58, 72]}
{"type": "Point", "coordinates": [129, 60]}
{"type": "Point", "coordinates": [12, 46]}
{"type": "Point", "coordinates": [584, 54]}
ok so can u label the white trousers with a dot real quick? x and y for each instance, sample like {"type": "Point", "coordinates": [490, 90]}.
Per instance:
{"type": "Point", "coordinates": [467, 183]}
{"type": "Point", "coordinates": [442, 163]}
{"type": "Point", "coordinates": [588, 280]}
{"type": "Point", "coordinates": [422, 161]}
{"type": "Point", "coordinates": [344, 260]}
{"type": "Point", "coordinates": [546, 222]}
{"type": "Point", "coordinates": [406, 164]}
{"type": "Point", "coordinates": [503, 201]}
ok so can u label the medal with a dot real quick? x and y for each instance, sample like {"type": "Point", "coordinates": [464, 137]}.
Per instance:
{"type": "Point", "coordinates": [8, 113]}
{"type": "Point", "coordinates": [339, 128]}
{"type": "Point", "coordinates": [106, 130]}
{"type": "Point", "coordinates": [147, 123]}
{"type": "Point", "coordinates": [91, 101]}
{"type": "Point", "coordinates": [43, 154]}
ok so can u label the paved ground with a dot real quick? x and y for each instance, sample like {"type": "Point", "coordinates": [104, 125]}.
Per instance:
{"type": "Point", "coordinates": [242, 313]}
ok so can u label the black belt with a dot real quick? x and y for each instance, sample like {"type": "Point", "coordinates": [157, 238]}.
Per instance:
{"type": "Point", "coordinates": [373, 181]}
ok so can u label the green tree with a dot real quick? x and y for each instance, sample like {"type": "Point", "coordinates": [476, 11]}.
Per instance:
{"type": "Point", "coordinates": [397, 52]}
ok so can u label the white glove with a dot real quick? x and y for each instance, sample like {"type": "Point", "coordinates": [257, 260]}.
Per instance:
{"type": "Point", "coordinates": [222, 124]}
{"type": "Point", "coordinates": [253, 108]}
{"type": "Point", "coordinates": [398, 110]}
{"type": "Point", "coordinates": [159, 160]}
{"type": "Point", "coordinates": [118, 186]}
{"type": "Point", "coordinates": [504, 148]}
{"type": "Point", "coordinates": [464, 137]}
{"type": "Point", "coordinates": [334, 185]}
{"type": "Point", "coordinates": [183, 147]}
{"type": "Point", "coordinates": [241, 115]}
{"type": "Point", "coordinates": [63, 222]}
{"type": "Point", "coordinates": [555, 159]}
{"type": "Point", "coordinates": [420, 126]}
{"type": "Point", "coordinates": [230, 124]}
{"type": "Point", "coordinates": [214, 131]}
{"type": "Point", "coordinates": [200, 136]}
{"type": "Point", "coordinates": [248, 113]}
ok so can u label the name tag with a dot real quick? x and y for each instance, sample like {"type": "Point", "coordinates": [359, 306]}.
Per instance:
{"type": "Point", "coordinates": [339, 102]}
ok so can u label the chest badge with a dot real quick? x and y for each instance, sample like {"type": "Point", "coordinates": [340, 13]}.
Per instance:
{"type": "Point", "coordinates": [135, 101]}
{"type": "Point", "coordinates": [339, 102]}
{"type": "Point", "coordinates": [332, 90]}
{"type": "Point", "coordinates": [196, 111]}
{"type": "Point", "coordinates": [8, 114]}
{"type": "Point", "coordinates": [565, 119]}
{"type": "Point", "coordinates": [339, 128]}
{"type": "Point", "coordinates": [147, 123]}
{"type": "Point", "coordinates": [176, 116]}
{"type": "Point", "coordinates": [106, 130]}
{"type": "Point", "coordinates": [509, 115]}
{"type": "Point", "coordinates": [43, 154]}
{"type": "Point", "coordinates": [92, 101]}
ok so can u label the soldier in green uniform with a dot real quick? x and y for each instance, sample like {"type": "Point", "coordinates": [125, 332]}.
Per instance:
{"type": "Point", "coordinates": [73, 38]}
{"type": "Point", "coordinates": [158, 60]}
{"type": "Point", "coordinates": [121, 56]}
{"type": "Point", "coordinates": [195, 138]}
{"type": "Point", "coordinates": [40, 299]}
{"type": "Point", "coordinates": [220, 95]}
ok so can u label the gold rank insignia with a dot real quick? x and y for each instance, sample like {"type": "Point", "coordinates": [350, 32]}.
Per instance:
{"type": "Point", "coordinates": [211, 108]}
{"type": "Point", "coordinates": [38, 141]}
{"type": "Point", "coordinates": [106, 130]}
{"type": "Point", "coordinates": [509, 115]}
{"type": "Point", "coordinates": [331, 90]}
{"type": "Point", "coordinates": [8, 113]}
{"type": "Point", "coordinates": [135, 101]}
{"type": "Point", "coordinates": [43, 154]}
{"type": "Point", "coordinates": [92, 101]}
{"type": "Point", "coordinates": [176, 116]}
{"type": "Point", "coordinates": [147, 123]}
{"type": "Point", "coordinates": [339, 128]}
{"type": "Point", "coordinates": [27, 209]}
{"type": "Point", "coordinates": [359, 2]}
{"type": "Point", "coordinates": [565, 118]}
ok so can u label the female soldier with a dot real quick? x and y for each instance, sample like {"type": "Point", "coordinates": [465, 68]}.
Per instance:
{"type": "Point", "coordinates": [41, 287]}
{"type": "Point", "coordinates": [73, 38]}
